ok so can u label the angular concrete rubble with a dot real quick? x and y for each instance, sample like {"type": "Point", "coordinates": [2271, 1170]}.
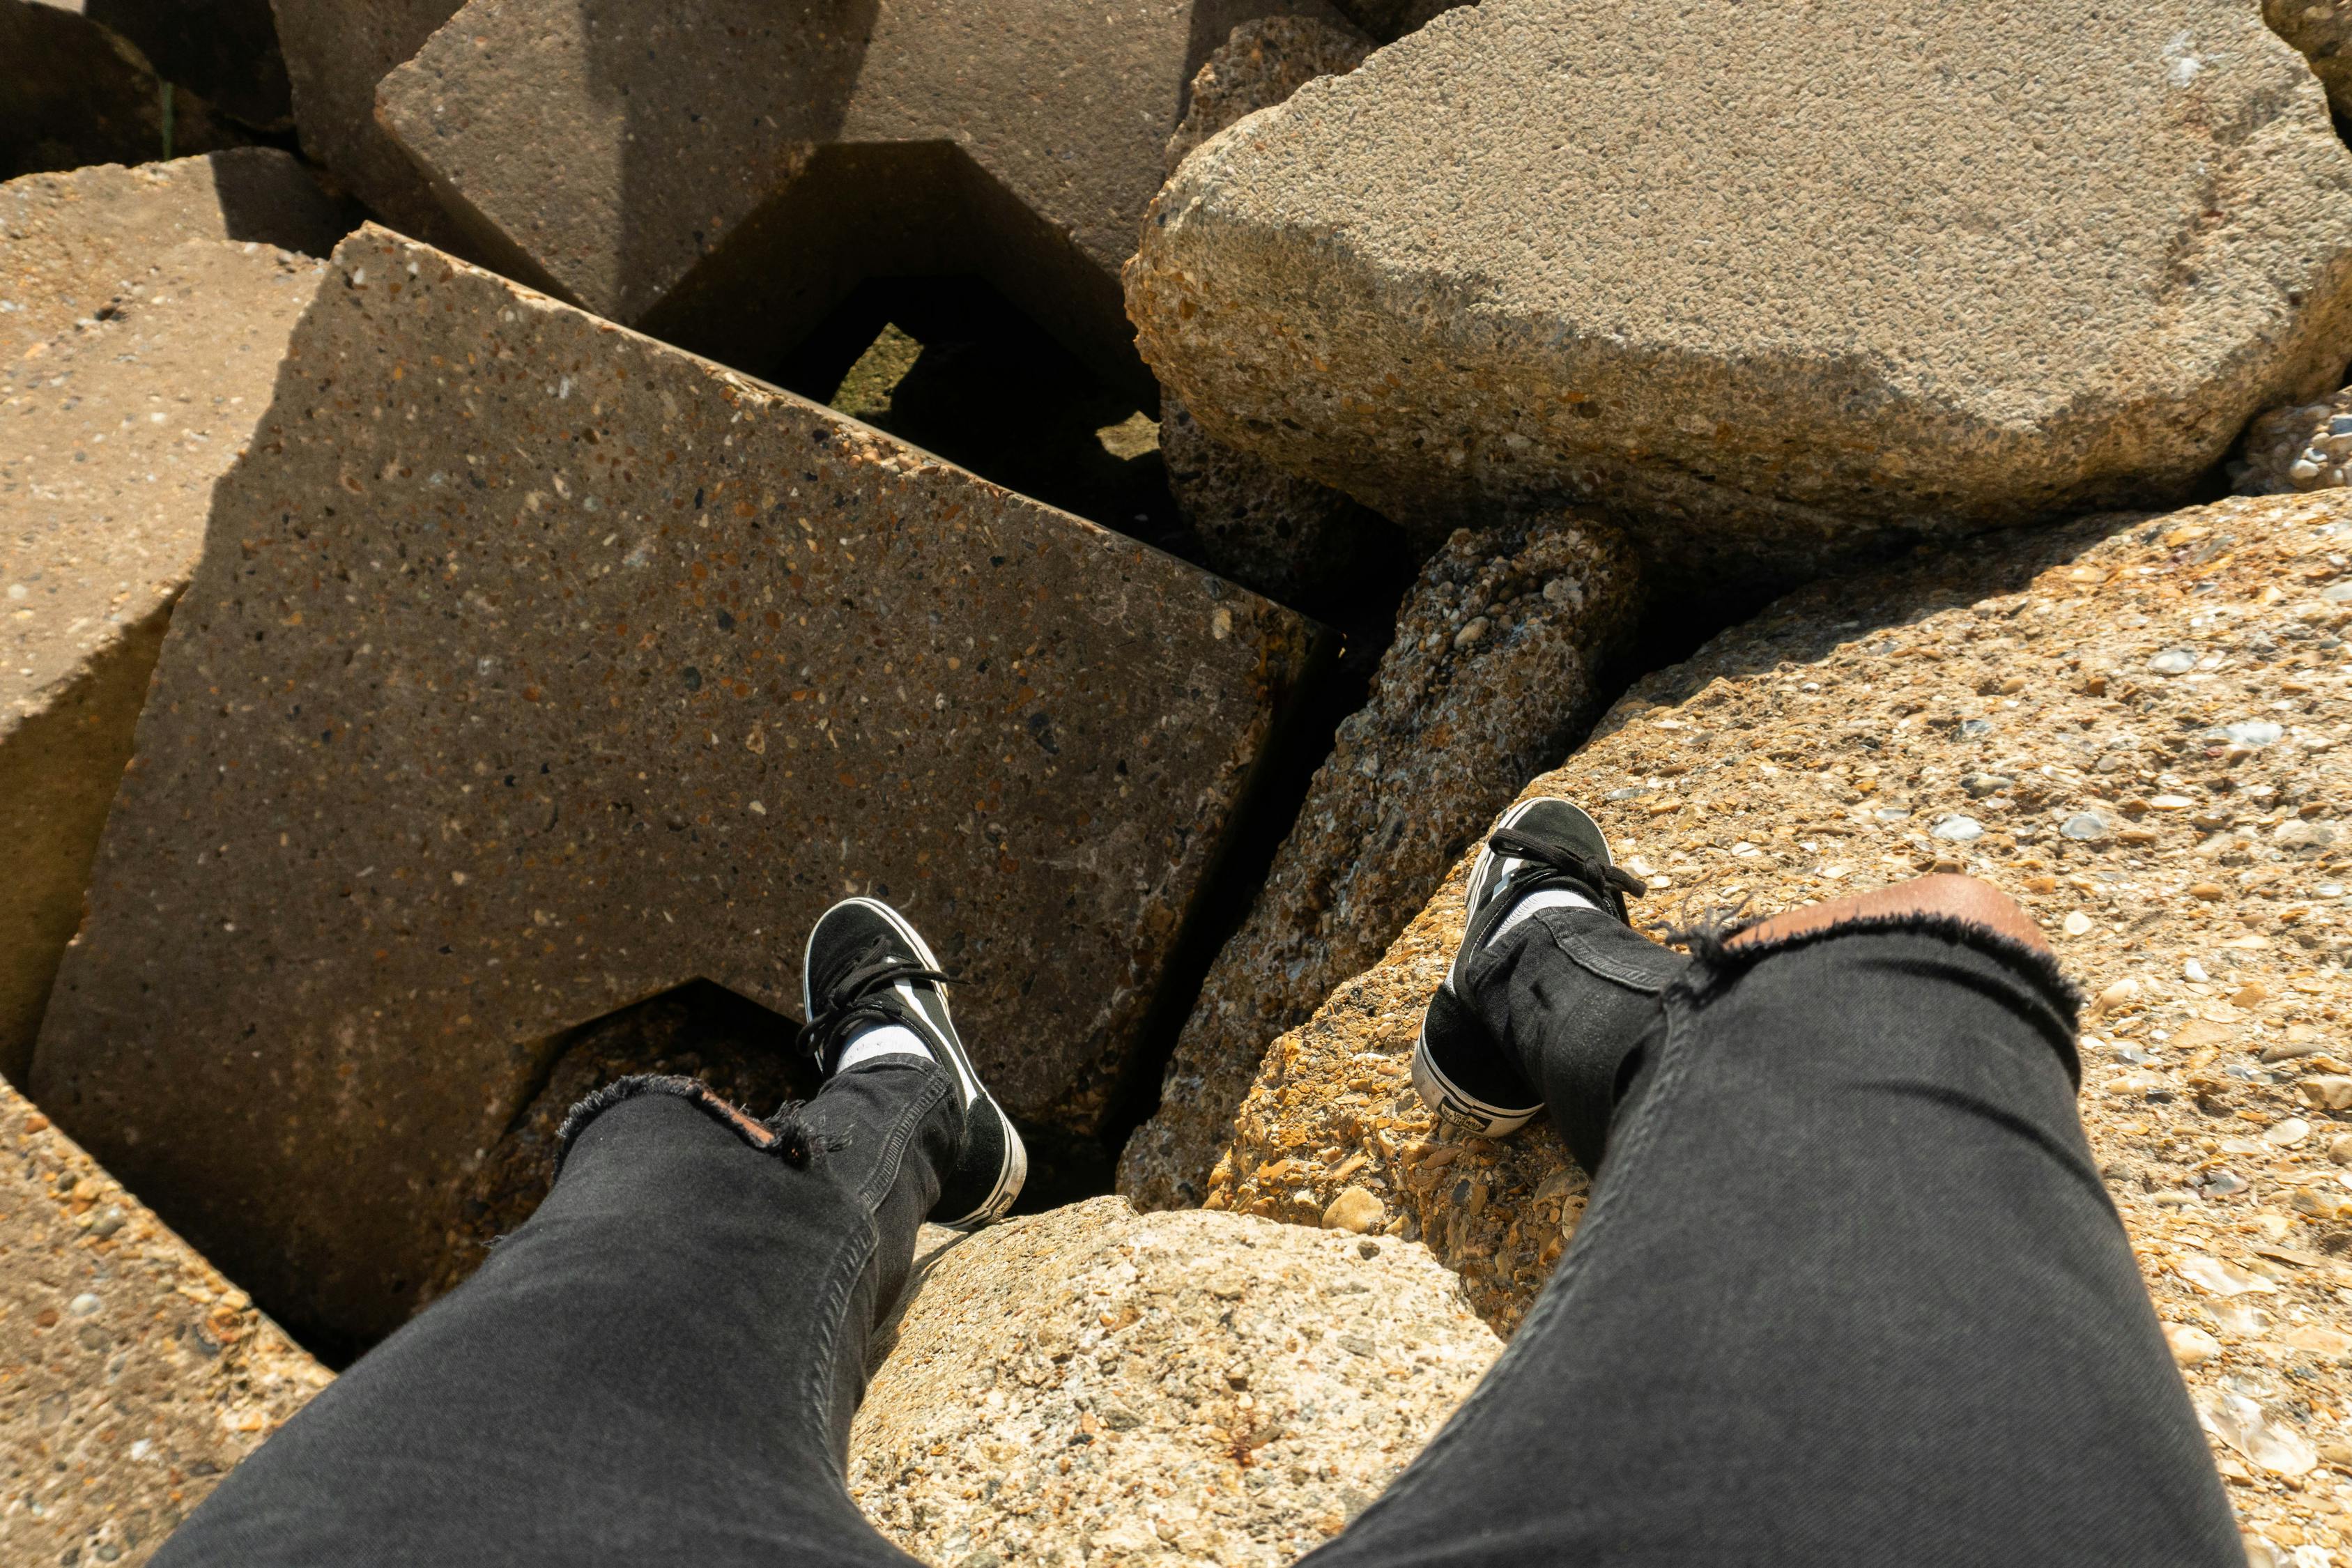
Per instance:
{"type": "Point", "coordinates": [142, 315]}
{"type": "Point", "coordinates": [132, 1376]}
{"type": "Point", "coordinates": [722, 172]}
{"type": "Point", "coordinates": [2137, 727]}
{"type": "Point", "coordinates": [534, 668]}
{"type": "Point", "coordinates": [1283, 536]}
{"type": "Point", "coordinates": [1946, 276]}
{"type": "Point", "coordinates": [1093, 1384]}
{"type": "Point", "coordinates": [1494, 675]}
{"type": "Point", "coordinates": [336, 52]}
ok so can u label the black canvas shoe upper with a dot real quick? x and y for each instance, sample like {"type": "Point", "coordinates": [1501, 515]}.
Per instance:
{"type": "Point", "coordinates": [1544, 843]}
{"type": "Point", "coordinates": [867, 966]}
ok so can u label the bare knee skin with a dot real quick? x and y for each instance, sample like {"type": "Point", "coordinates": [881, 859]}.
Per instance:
{"type": "Point", "coordinates": [1961, 897]}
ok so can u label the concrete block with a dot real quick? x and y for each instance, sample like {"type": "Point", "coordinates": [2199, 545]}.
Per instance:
{"type": "Point", "coordinates": [132, 1376]}
{"type": "Point", "coordinates": [142, 313]}
{"type": "Point", "coordinates": [721, 173]}
{"type": "Point", "coordinates": [1776, 286]}
{"type": "Point", "coordinates": [336, 52]}
{"type": "Point", "coordinates": [533, 668]}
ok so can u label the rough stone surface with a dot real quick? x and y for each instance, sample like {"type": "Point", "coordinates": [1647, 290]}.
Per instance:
{"type": "Point", "coordinates": [336, 52]}
{"type": "Point", "coordinates": [586, 149]}
{"type": "Point", "coordinates": [1959, 269]}
{"type": "Point", "coordinates": [2144, 719]}
{"type": "Point", "coordinates": [1281, 535]}
{"type": "Point", "coordinates": [142, 313]}
{"type": "Point", "coordinates": [533, 668]}
{"type": "Point", "coordinates": [1493, 676]}
{"type": "Point", "coordinates": [132, 1376]}
{"type": "Point", "coordinates": [1260, 64]}
{"type": "Point", "coordinates": [1096, 1385]}
{"type": "Point", "coordinates": [73, 92]}
{"type": "Point", "coordinates": [2322, 30]}
{"type": "Point", "coordinates": [1284, 537]}
{"type": "Point", "coordinates": [225, 49]}
{"type": "Point", "coordinates": [72, 239]}
{"type": "Point", "coordinates": [2303, 447]}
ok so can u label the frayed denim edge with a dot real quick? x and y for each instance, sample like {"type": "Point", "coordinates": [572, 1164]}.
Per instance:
{"type": "Point", "coordinates": [785, 1134]}
{"type": "Point", "coordinates": [1718, 963]}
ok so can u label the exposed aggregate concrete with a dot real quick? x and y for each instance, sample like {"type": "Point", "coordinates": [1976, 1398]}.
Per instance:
{"type": "Point", "coordinates": [2135, 726]}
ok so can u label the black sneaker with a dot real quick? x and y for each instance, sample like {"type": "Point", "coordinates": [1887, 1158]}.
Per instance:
{"type": "Point", "coordinates": [867, 965]}
{"type": "Point", "coordinates": [1457, 1066]}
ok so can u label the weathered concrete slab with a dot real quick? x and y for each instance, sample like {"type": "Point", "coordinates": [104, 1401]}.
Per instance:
{"type": "Point", "coordinates": [1494, 675]}
{"type": "Point", "coordinates": [722, 172]}
{"type": "Point", "coordinates": [1282, 535]}
{"type": "Point", "coordinates": [142, 314]}
{"type": "Point", "coordinates": [533, 668]}
{"type": "Point", "coordinates": [1769, 283]}
{"type": "Point", "coordinates": [132, 1376]}
{"type": "Point", "coordinates": [336, 52]}
{"type": "Point", "coordinates": [73, 92]}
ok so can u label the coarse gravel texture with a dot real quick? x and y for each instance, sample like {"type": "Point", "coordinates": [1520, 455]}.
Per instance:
{"type": "Point", "coordinates": [1494, 676]}
{"type": "Point", "coordinates": [1096, 1385]}
{"type": "Point", "coordinates": [1284, 536]}
{"type": "Point", "coordinates": [132, 1376]}
{"type": "Point", "coordinates": [1774, 284]}
{"type": "Point", "coordinates": [2137, 727]}
{"type": "Point", "coordinates": [2303, 446]}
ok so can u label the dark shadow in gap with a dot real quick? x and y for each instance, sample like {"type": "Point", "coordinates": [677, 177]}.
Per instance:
{"type": "Point", "coordinates": [951, 366]}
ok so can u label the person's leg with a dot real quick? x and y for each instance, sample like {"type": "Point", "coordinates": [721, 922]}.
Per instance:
{"type": "Point", "coordinates": [1848, 1290]}
{"type": "Point", "coordinates": [658, 1368]}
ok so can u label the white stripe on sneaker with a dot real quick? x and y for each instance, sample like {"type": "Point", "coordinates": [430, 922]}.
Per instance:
{"type": "Point", "coordinates": [1541, 899]}
{"type": "Point", "coordinates": [882, 1040]}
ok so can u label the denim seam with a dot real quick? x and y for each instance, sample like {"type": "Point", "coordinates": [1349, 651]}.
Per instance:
{"type": "Point", "coordinates": [1579, 951]}
{"type": "Point", "coordinates": [817, 1397]}
{"type": "Point", "coordinates": [1633, 1143]}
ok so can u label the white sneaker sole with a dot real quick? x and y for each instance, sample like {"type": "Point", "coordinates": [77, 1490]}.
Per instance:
{"type": "Point", "coordinates": [1438, 1092]}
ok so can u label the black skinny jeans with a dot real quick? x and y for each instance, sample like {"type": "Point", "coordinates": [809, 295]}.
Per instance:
{"type": "Point", "coordinates": [1849, 1291]}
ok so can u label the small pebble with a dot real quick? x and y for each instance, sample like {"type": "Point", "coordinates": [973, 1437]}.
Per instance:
{"type": "Point", "coordinates": [2288, 1133]}
{"type": "Point", "coordinates": [1959, 829]}
{"type": "Point", "coordinates": [2086, 828]}
{"type": "Point", "coordinates": [2256, 733]}
{"type": "Point", "coordinates": [2191, 1346]}
{"type": "Point", "coordinates": [83, 1305]}
{"type": "Point", "coordinates": [2339, 1149]}
{"type": "Point", "coordinates": [2173, 662]}
{"type": "Point", "coordinates": [1472, 635]}
{"type": "Point", "coordinates": [2076, 923]}
{"type": "Point", "coordinates": [1354, 1210]}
